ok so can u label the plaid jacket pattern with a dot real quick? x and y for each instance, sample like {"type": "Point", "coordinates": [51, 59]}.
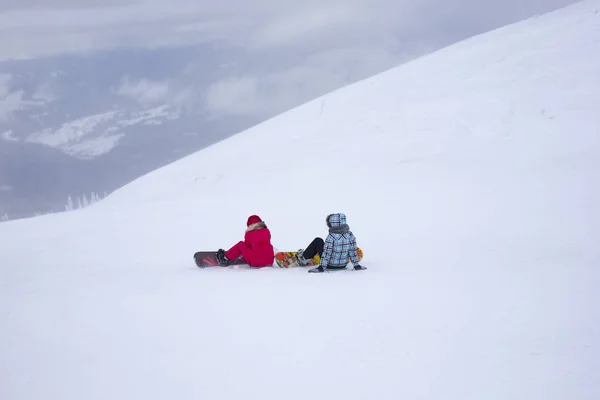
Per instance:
{"type": "Point", "coordinates": [339, 247]}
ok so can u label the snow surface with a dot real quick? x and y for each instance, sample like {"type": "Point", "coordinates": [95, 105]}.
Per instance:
{"type": "Point", "coordinates": [470, 178]}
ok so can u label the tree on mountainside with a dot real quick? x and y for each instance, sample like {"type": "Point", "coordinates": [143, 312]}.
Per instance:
{"type": "Point", "coordinates": [69, 206]}
{"type": "Point", "coordinates": [82, 201]}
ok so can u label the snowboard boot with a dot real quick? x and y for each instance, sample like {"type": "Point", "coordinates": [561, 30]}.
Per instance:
{"type": "Point", "coordinates": [300, 257]}
{"type": "Point", "coordinates": [222, 258]}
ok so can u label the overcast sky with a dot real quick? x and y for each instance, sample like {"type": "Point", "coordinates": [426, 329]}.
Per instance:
{"type": "Point", "coordinates": [28, 26]}
{"type": "Point", "coordinates": [298, 48]}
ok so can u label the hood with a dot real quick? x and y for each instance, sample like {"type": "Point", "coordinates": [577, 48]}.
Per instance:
{"type": "Point", "coordinates": [253, 219]}
{"type": "Point", "coordinates": [336, 220]}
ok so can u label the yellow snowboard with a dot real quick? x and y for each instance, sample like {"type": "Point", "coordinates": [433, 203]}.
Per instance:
{"type": "Point", "coordinates": [287, 259]}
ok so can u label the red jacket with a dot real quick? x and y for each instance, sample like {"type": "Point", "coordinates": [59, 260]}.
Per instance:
{"type": "Point", "coordinates": [256, 247]}
{"type": "Point", "coordinates": [259, 251]}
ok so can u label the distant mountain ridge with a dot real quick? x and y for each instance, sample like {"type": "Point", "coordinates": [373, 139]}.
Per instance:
{"type": "Point", "coordinates": [93, 122]}
{"type": "Point", "coordinates": [95, 135]}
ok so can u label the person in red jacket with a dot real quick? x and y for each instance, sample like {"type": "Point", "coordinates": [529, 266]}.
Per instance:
{"type": "Point", "coordinates": [256, 249]}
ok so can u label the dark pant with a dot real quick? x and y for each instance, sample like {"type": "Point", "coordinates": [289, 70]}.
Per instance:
{"type": "Point", "coordinates": [316, 247]}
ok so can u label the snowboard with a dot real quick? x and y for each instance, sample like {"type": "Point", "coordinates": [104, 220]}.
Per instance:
{"type": "Point", "coordinates": [327, 270]}
{"type": "Point", "coordinates": [287, 259]}
{"type": "Point", "coordinates": [205, 259]}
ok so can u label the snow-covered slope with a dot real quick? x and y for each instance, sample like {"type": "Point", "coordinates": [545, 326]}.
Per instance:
{"type": "Point", "coordinates": [470, 178]}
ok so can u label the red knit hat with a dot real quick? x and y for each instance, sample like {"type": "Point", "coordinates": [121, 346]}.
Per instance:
{"type": "Point", "coordinates": [253, 219]}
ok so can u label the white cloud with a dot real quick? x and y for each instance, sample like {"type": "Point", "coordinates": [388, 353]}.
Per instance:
{"type": "Point", "coordinates": [43, 94]}
{"type": "Point", "coordinates": [12, 100]}
{"type": "Point", "coordinates": [235, 95]}
{"type": "Point", "coordinates": [9, 136]}
{"type": "Point", "coordinates": [9, 101]}
{"type": "Point", "coordinates": [267, 94]}
{"type": "Point", "coordinates": [144, 91]}
{"type": "Point", "coordinates": [89, 25]}
{"type": "Point", "coordinates": [5, 80]}
{"type": "Point", "coordinates": [298, 25]}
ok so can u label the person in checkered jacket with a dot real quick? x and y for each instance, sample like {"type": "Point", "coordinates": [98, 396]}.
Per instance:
{"type": "Point", "coordinates": [335, 250]}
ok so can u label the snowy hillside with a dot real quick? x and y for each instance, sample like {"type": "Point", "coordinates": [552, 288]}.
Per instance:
{"type": "Point", "coordinates": [470, 178]}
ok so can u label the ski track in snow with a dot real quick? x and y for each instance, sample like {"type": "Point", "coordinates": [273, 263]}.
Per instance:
{"type": "Point", "coordinates": [470, 178]}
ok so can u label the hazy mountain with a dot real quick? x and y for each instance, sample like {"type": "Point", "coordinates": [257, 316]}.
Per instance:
{"type": "Point", "coordinates": [76, 124]}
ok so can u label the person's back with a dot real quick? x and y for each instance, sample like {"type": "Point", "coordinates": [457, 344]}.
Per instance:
{"type": "Point", "coordinates": [256, 249]}
{"type": "Point", "coordinates": [340, 244]}
{"type": "Point", "coordinates": [258, 239]}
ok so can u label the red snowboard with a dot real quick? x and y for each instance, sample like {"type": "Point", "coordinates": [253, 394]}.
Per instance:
{"type": "Point", "coordinates": [209, 259]}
